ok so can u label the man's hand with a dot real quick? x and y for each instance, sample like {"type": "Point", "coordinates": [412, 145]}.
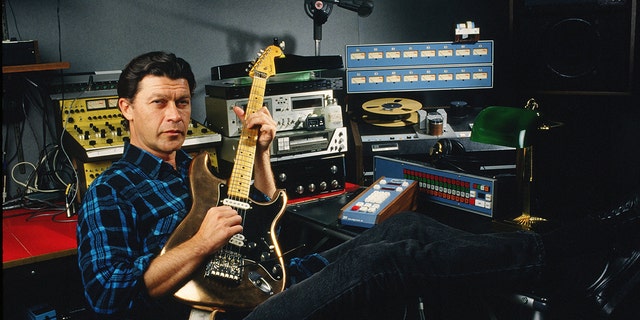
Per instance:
{"type": "Point", "coordinates": [266, 126]}
{"type": "Point", "coordinates": [218, 226]}
{"type": "Point", "coordinates": [263, 122]}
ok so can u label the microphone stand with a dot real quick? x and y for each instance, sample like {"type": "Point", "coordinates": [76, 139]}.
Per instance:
{"type": "Point", "coordinates": [319, 18]}
{"type": "Point", "coordinates": [319, 11]}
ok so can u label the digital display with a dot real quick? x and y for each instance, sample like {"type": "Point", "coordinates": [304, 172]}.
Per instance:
{"type": "Point", "coordinates": [306, 103]}
{"type": "Point", "coordinates": [243, 104]}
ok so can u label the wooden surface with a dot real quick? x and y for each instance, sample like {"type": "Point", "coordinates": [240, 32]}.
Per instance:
{"type": "Point", "coordinates": [36, 67]}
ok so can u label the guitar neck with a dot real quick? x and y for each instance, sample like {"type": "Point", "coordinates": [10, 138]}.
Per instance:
{"type": "Point", "coordinates": [240, 180]}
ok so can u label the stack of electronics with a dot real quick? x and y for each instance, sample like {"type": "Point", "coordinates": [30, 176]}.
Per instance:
{"type": "Point", "coordinates": [308, 153]}
{"type": "Point", "coordinates": [93, 128]}
{"type": "Point", "coordinates": [401, 138]}
{"type": "Point", "coordinates": [385, 85]}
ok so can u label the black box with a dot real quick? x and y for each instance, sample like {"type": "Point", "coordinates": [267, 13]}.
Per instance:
{"type": "Point", "coordinates": [20, 52]}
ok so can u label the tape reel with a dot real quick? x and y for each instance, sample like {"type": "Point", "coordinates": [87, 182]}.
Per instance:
{"type": "Point", "coordinates": [391, 112]}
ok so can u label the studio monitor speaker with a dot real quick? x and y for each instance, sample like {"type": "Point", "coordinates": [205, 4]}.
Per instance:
{"type": "Point", "coordinates": [574, 45]}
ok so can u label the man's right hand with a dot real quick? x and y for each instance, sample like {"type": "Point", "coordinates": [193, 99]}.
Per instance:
{"type": "Point", "coordinates": [218, 226]}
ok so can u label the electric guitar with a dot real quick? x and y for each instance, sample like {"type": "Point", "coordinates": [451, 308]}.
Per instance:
{"type": "Point", "coordinates": [250, 268]}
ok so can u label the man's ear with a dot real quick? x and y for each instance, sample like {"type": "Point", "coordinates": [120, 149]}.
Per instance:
{"type": "Point", "coordinates": [125, 108]}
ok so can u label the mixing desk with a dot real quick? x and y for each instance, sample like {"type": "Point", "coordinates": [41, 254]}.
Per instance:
{"type": "Point", "coordinates": [95, 130]}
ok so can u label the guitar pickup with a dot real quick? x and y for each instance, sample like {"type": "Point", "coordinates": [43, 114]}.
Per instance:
{"type": "Point", "coordinates": [237, 240]}
{"type": "Point", "coordinates": [236, 204]}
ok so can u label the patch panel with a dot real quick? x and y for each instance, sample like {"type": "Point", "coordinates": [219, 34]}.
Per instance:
{"type": "Point", "coordinates": [426, 78]}
{"type": "Point", "coordinates": [419, 54]}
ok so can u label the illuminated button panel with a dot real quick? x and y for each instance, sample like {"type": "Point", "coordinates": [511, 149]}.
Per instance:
{"type": "Point", "coordinates": [427, 78]}
{"type": "Point", "coordinates": [419, 66]}
{"type": "Point", "coordinates": [419, 54]}
{"type": "Point", "coordinates": [460, 190]}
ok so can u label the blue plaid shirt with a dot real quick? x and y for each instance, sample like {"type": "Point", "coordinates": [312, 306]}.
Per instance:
{"type": "Point", "coordinates": [126, 217]}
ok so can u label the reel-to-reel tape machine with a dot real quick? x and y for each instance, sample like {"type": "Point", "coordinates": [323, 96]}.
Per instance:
{"type": "Point", "coordinates": [399, 126]}
{"type": "Point", "coordinates": [391, 112]}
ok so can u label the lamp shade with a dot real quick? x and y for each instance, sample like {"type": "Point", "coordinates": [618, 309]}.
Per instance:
{"type": "Point", "coordinates": [506, 126]}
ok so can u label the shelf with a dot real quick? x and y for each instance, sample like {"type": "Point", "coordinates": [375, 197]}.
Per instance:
{"type": "Point", "coordinates": [35, 67]}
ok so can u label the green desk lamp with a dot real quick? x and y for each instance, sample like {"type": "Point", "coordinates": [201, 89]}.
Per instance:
{"type": "Point", "coordinates": [516, 128]}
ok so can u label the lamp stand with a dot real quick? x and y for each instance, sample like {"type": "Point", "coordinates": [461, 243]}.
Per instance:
{"type": "Point", "coordinates": [524, 177]}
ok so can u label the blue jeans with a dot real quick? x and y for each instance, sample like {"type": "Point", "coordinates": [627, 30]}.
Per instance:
{"type": "Point", "coordinates": [408, 255]}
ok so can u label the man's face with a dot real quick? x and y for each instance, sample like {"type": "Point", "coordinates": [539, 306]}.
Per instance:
{"type": "Point", "coordinates": [159, 115]}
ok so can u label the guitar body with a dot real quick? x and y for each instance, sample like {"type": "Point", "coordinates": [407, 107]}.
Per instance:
{"type": "Point", "coordinates": [261, 253]}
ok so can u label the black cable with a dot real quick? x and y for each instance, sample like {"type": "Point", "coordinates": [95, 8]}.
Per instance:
{"type": "Point", "coordinates": [15, 21]}
{"type": "Point", "coordinates": [60, 50]}
{"type": "Point", "coordinates": [59, 33]}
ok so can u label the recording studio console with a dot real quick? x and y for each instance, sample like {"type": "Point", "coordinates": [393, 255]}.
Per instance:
{"type": "Point", "coordinates": [94, 129]}
{"type": "Point", "coordinates": [384, 198]}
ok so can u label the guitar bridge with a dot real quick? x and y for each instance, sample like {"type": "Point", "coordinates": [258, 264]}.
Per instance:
{"type": "Point", "coordinates": [227, 265]}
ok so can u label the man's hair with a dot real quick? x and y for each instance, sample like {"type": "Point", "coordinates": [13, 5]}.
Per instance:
{"type": "Point", "coordinates": [156, 63]}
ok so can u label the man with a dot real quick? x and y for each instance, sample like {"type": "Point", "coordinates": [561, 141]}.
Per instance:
{"type": "Point", "coordinates": [130, 211]}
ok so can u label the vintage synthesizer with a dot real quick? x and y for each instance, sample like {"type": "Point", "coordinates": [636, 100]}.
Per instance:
{"type": "Point", "coordinates": [94, 130]}
{"type": "Point", "coordinates": [384, 198]}
{"type": "Point", "coordinates": [486, 196]}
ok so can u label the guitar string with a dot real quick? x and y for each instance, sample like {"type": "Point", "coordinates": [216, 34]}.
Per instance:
{"type": "Point", "coordinates": [248, 144]}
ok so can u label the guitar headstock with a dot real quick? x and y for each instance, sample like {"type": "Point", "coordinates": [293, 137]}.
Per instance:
{"type": "Point", "coordinates": [264, 65]}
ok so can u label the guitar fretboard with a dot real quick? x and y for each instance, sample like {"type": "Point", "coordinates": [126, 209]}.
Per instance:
{"type": "Point", "coordinates": [240, 180]}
